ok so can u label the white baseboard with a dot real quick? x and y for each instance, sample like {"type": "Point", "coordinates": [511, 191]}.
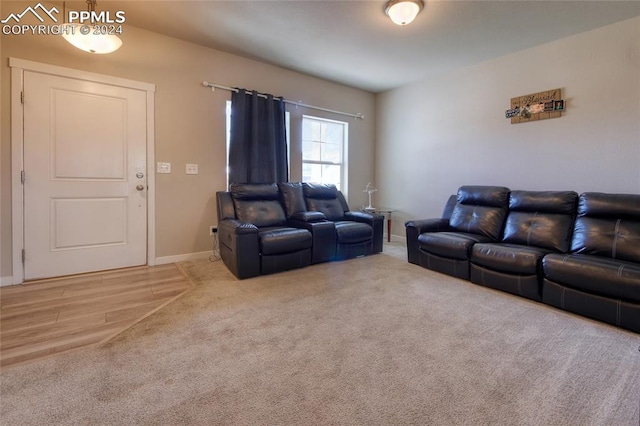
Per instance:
{"type": "Point", "coordinates": [4, 281]}
{"type": "Point", "coordinates": [397, 238]}
{"type": "Point", "coordinates": [183, 257]}
{"type": "Point", "coordinates": [7, 281]}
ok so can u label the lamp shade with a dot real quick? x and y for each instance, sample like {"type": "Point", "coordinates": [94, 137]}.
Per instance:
{"type": "Point", "coordinates": [403, 12]}
{"type": "Point", "coordinates": [82, 37]}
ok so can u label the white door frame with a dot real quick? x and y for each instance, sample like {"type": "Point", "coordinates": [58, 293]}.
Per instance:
{"type": "Point", "coordinates": [18, 66]}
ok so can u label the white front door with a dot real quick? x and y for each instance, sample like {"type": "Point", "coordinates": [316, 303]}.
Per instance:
{"type": "Point", "coordinates": [85, 188]}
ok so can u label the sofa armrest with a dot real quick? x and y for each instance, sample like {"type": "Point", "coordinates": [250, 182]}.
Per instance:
{"type": "Point", "coordinates": [368, 218]}
{"type": "Point", "coordinates": [308, 216]}
{"type": "Point", "coordinates": [428, 225]}
{"type": "Point", "coordinates": [237, 227]}
{"type": "Point", "coordinates": [239, 247]}
{"type": "Point", "coordinates": [416, 227]}
{"type": "Point", "coordinates": [376, 221]}
{"type": "Point", "coordinates": [323, 235]}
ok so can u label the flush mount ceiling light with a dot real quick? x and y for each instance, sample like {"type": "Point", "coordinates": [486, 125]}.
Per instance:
{"type": "Point", "coordinates": [403, 12]}
{"type": "Point", "coordinates": [85, 37]}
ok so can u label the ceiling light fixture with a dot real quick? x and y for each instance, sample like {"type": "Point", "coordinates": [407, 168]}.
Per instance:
{"type": "Point", "coordinates": [403, 12]}
{"type": "Point", "coordinates": [84, 37]}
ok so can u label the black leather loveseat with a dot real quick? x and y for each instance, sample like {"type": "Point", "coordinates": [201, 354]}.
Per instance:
{"type": "Point", "coordinates": [267, 228]}
{"type": "Point", "coordinates": [581, 254]}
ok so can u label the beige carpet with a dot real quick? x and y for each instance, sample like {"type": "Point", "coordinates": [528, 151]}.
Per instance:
{"type": "Point", "coordinates": [369, 341]}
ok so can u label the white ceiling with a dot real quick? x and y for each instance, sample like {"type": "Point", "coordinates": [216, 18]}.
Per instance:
{"type": "Point", "coordinates": [355, 43]}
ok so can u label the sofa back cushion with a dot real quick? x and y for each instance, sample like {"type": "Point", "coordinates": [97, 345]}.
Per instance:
{"type": "Point", "coordinates": [324, 199]}
{"type": "Point", "coordinates": [608, 225]}
{"type": "Point", "coordinates": [541, 219]}
{"type": "Point", "coordinates": [258, 204]}
{"type": "Point", "coordinates": [480, 210]}
{"type": "Point", "coordinates": [292, 198]}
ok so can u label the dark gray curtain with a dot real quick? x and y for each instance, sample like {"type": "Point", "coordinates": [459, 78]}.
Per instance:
{"type": "Point", "coordinates": [258, 144]}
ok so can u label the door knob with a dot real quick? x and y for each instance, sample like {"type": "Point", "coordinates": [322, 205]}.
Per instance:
{"type": "Point", "coordinates": [140, 187]}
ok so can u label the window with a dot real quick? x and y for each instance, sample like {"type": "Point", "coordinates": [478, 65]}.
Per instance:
{"type": "Point", "coordinates": [324, 144]}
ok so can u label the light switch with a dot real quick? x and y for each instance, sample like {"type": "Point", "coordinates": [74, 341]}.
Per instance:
{"type": "Point", "coordinates": [192, 169]}
{"type": "Point", "coordinates": [164, 167]}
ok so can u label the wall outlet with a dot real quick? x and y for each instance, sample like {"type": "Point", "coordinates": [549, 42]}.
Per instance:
{"type": "Point", "coordinates": [213, 230]}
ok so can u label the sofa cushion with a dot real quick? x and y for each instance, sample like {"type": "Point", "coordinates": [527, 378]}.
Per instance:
{"type": "Point", "coordinates": [349, 232]}
{"type": "Point", "coordinates": [560, 202]}
{"type": "Point", "coordinates": [454, 245]}
{"type": "Point", "coordinates": [258, 204]}
{"type": "Point", "coordinates": [592, 274]}
{"type": "Point", "coordinates": [317, 190]}
{"type": "Point", "coordinates": [261, 213]}
{"type": "Point", "coordinates": [612, 238]}
{"type": "Point", "coordinates": [597, 204]}
{"type": "Point", "coordinates": [254, 191]}
{"type": "Point", "coordinates": [479, 220]}
{"type": "Point", "coordinates": [547, 230]}
{"type": "Point", "coordinates": [292, 198]}
{"type": "Point", "coordinates": [280, 240]}
{"type": "Point", "coordinates": [332, 209]}
{"type": "Point", "coordinates": [480, 210]}
{"type": "Point", "coordinates": [608, 225]}
{"type": "Point", "coordinates": [325, 199]}
{"type": "Point", "coordinates": [508, 258]}
{"type": "Point", "coordinates": [490, 196]}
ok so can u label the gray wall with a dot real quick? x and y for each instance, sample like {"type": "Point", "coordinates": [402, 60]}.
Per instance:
{"type": "Point", "coordinates": [436, 135]}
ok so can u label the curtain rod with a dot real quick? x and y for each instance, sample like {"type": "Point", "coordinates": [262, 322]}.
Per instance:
{"type": "Point", "coordinates": [300, 104]}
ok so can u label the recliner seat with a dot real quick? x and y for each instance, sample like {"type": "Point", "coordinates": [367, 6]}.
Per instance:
{"type": "Point", "coordinates": [357, 233]}
{"type": "Point", "coordinates": [477, 217]}
{"type": "Point", "coordinates": [600, 277]}
{"type": "Point", "coordinates": [538, 223]}
{"type": "Point", "coordinates": [254, 236]}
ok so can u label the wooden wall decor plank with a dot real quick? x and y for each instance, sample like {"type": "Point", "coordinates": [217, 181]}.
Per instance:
{"type": "Point", "coordinates": [534, 99]}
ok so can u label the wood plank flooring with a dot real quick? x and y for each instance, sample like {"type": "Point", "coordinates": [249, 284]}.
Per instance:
{"type": "Point", "coordinates": [47, 317]}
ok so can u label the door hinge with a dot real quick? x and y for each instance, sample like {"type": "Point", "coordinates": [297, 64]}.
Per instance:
{"type": "Point", "coordinates": [23, 256]}
{"type": "Point", "coordinates": [22, 97]}
{"type": "Point", "coordinates": [22, 177]}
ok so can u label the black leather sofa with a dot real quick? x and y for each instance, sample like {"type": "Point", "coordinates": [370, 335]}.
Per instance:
{"type": "Point", "coordinates": [268, 228]}
{"type": "Point", "coordinates": [580, 254]}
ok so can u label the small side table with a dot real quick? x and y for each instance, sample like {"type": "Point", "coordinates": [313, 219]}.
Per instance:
{"type": "Point", "coordinates": [386, 212]}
